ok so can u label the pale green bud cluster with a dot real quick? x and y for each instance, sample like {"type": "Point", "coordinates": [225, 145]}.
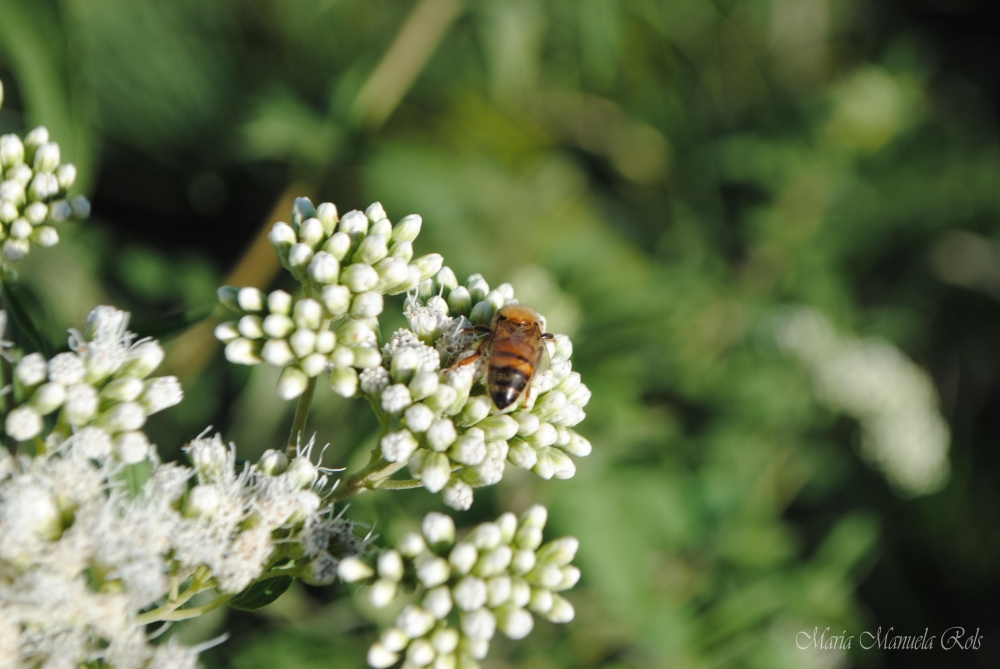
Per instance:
{"type": "Point", "coordinates": [345, 265]}
{"type": "Point", "coordinates": [302, 337]}
{"type": "Point", "coordinates": [496, 579]}
{"type": "Point", "coordinates": [446, 427]}
{"type": "Point", "coordinates": [33, 193]}
{"type": "Point", "coordinates": [99, 392]}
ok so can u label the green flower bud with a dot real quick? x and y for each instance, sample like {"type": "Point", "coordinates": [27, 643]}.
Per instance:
{"type": "Point", "coordinates": [125, 389]}
{"type": "Point", "coordinates": [292, 383]}
{"type": "Point", "coordinates": [303, 342]}
{"type": "Point", "coordinates": [381, 593]}
{"type": "Point", "coordinates": [202, 501]}
{"type": "Point", "coordinates": [476, 409]}
{"type": "Point", "coordinates": [353, 569]}
{"type": "Point", "coordinates": [407, 228]}
{"type": "Point", "coordinates": [500, 427]}
{"type": "Point", "coordinates": [50, 397]}
{"type": "Point", "coordinates": [278, 326]}
{"type": "Point", "coordinates": [390, 565]}
{"type": "Point", "coordinates": [327, 214]}
{"type": "Point", "coordinates": [228, 297]}
{"type": "Point", "coordinates": [411, 282]}
{"type": "Point", "coordinates": [482, 314]}
{"type": "Point", "coordinates": [314, 364]}
{"type": "Point", "coordinates": [59, 211]}
{"type": "Point", "coordinates": [308, 313]}
{"type": "Point", "coordinates": [226, 332]}
{"type": "Point", "coordinates": [338, 245]}
{"type": "Point", "coordinates": [423, 384]}
{"type": "Point", "coordinates": [80, 206]}
{"type": "Point", "coordinates": [321, 571]}
{"type": "Point", "coordinates": [559, 552]}
{"type": "Point", "coordinates": [242, 351]}
{"type": "Point", "coordinates": [441, 434]}
{"type": "Point", "coordinates": [337, 299]}
{"type": "Point", "coordinates": [366, 357]}
{"type": "Point", "coordinates": [460, 301]}
{"type": "Point", "coordinates": [366, 305]}
{"type": "Point", "coordinates": [45, 236]}
{"type": "Point", "coordinates": [11, 151]}
{"type": "Point", "coordinates": [344, 381]}
{"type": "Point", "coordinates": [8, 214]}
{"type": "Point", "coordinates": [375, 212]}
{"type": "Point", "coordinates": [480, 624]}
{"type": "Point", "coordinates": [469, 448]}
{"type": "Point", "coordinates": [372, 249]}
{"type": "Point", "coordinates": [36, 212]}
{"type": "Point", "coordinates": [355, 333]}
{"type": "Point", "coordinates": [401, 250]}
{"type": "Point", "coordinates": [250, 327]}
{"type": "Point", "coordinates": [301, 210]}
{"type": "Point", "coordinates": [15, 249]}
{"type": "Point", "coordinates": [391, 272]}
{"type": "Point", "coordinates": [436, 472]}
{"type": "Point", "coordinates": [354, 224]}
{"type": "Point", "coordinates": [565, 468]}
{"type": "Point", "coordinates": [326, 341]}
{"type": "Point", "coordinates": [438, 603]}
{"type": "Point", "coordinates": [299, 257]}
{"type": "Point", "coordinates": [359, 277]}
{"type": "Point", "coordinates": [381, 227]}
{"type": "Point", "coordinates": [323, 268]}
{"type": "Point", "coordinates": [47, 157]}
{"type": "Point", "coordinates": [463, 558]}
{"type": "Point", "coordinates": [342, 356]}
{"type": "Point", "coordinates": [428, 265]}
{"type": "Point", "coordinates": [536, 516]}
{"type": "Point", "coordinates": [282, 237]}
{"type": "Point", "coordinates": [521, 454]}
{"type": "Point", "coordinates": [277, 352]}
{"type": "Point", "coordinates": [514, 622]}
{"type": "Point", "coordinates": [543, 437]}
{"type": "Point", "coordinates": [272, 462]}
{"type": "Point", "coordinates": [33, 140]}
{"type": "Point", "coordinates": [311, 232]}
{"type": "Point", "coordinates": [523, 561]}
{"type": "Point", "coordinates": [561, 611]}
{"type": "Point", "coordinates": [21, 229]}
{"type": "Point", "coordinates": [478, 288]}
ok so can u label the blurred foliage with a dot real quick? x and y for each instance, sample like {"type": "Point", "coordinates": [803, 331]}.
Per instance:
{"type": "Point", "coordinates": [661, 178]}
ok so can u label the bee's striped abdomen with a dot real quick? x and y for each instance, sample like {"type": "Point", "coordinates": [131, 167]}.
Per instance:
{"type": "Point", "coordinates": [509, 374]}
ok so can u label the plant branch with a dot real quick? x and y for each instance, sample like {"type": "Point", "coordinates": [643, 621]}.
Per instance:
{"type": "Point", "coordinates": [301, 413]}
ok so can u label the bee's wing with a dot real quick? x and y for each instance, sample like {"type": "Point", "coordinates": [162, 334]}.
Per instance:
{"type": "Point", "coordinates": [543, 357]}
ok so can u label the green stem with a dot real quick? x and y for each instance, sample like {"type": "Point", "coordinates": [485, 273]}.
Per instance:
{"type": "Point", "coordinates": [401, 484]}
{"type": "Point", "coordinates": [192, 612]}
{"type": "Point", "coordinates": [301, 413]}
{"type": "Point", "coordinates": [367, 478]}
{"type": "Point", "coordinates": [197, 581]}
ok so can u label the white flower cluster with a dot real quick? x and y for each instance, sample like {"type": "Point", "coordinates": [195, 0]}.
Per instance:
{"type": "Point", "coordinates": [80, 558]}
{"type": "Point", "coordinates": [449, 432]}
{"type": "Point", "coordinates": [903, 432]}
{"type": "Point", "coordinates": [33, 186]}
{"type": "Point", "coordinates": [345, 265]}
{"type": "Point", "coordinates": [494, 579]}
{"type": "Point", "coordinates": [100, 390]}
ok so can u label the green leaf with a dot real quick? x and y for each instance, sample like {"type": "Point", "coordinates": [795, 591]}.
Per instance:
{"type": "Point", "coordinates": [20, 317]}
{"type": "Point", "coordinates": [260, 594]}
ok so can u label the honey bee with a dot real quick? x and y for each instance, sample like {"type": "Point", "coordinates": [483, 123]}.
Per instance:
{"type": "Point", "coordinates": [515, 349]}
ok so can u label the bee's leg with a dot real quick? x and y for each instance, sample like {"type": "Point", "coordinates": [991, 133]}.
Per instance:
{"type": "Point", "coordinates": [465, 361]}
{"type": "Point", "coordinates": [548, 335]}
{"type": "Point", "coordinates": [527, 397]}
{"type": "Point", "coordinates": [478, 329]}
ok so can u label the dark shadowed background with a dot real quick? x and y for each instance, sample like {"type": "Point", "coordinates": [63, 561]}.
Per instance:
{"type": "Point", "coordinates": [671, 182]}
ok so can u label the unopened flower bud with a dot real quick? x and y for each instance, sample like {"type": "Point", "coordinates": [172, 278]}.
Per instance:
{"type": "Point", "coordinates": [372, 249]}
{"type": "Point", "coordinates": [382, 592]}
{"type": "Point", "coordinates": [419, 418]}
{"type": "Point", "coordinates": [559, 552]}
{"type": "Point", "coordinates": [344, 381]}
{"type": "Point", "coordinates": [469, 449]}
{"type": "Point", "coordinates": [411, 545]}
{"type": "Point", "coordinates": [458, 495]}
{"type": "Point", "coordinates": [282, 237]}
{"type": "Point", "coordinates": [353, 569]}
{"type": "Point", "coordinates": [475, 410]}
{"type": "Point", "coordinates": [314, 364]}
{"type": "Point", "coordinates": [380, 657]}
{"type": "Point", "coordinates": [460, 301]}
{"type": "Point", "coordinates": [443, 397]}
{"type": "Point", "coordinates": [545, 466]}
{"type": "Point", "coordinates": [481, 314]}
{"type": "Point", "coordinates": [47, 157]}
{"type": "Point", "coordinates": [11, 151]}
{"type": "Point", "coordinates": [323, 268]}
{"type": "Point", "coordinates": [571, 576]}
{"type": "Point", "coordinates": [292, 383]}
{"type": "Point", "coordinates": [272, 462]}
{"type": "Point", "coordinates": [536, 516]}
{"type": "Point", "coordinates": [543, 437]}
{"type": "Point", "coordinates": [438, 602]}
{"type": "Point", "coordinates": [277, 352]}
{"type": "Point", "coordinates": [428, 265]}
{"type": "Point", "coordinates": [45, 236]}
{"type": "Point", "coordinates": [80, 207]}
{"type": "Point", "coordinates": [228, 297]}
{"type": "Point", "coordinates": [414, 621]}
{"type": "Point", "coordinates": [311, 232]}
{"type": "Point", "coordinates": [433, 572]}
{"type": "Point", "coordinates": [21, 229]}
{"type": "Point", "coordinates": [36, 212]}
{"type": "Point", "coordinates": [401, 250]}
{"type": "Point", "coordinates": [523, 561]}
{"type": "Point", "coordinates": [326, 341]}
{"type": "Point", "coordinates": [407, 229]}
{"type": "Point", "coordinates": [337, 299]}
{"type": "Point", "coordinates": [43, 186]}
{"type": "Point", "coordinates": [561, 611]}
{"type": "Point", "coordinates": [441, 434]}
{"type": "Point", "coordinates": [299, 257]}
{"type": "Point", "coordinates": [48, 398]}
{"type": "Point", "coordinates": [124, 417]}
{"type": "Point", "coordinates": [521, 454]}
{"type": "Point", "coordinates": [366, 305]}
{"type": "Point", "coordinates": [308, 313]}
{"type": "Point", "coordinates": [65, 175]}
{"type": "Point", "coordinates": [23, 423]}
{"type": "Point", "coordinates": [302, 209]}
{"type": "Point", "coordinates": [33, 140]}
{"type": "Point", "coordinates": [326, 212]}
{"type": "Point", "coordinates": [398, 446]}
{"type": "Point", "coordinates": [243, 351]}
{"type": "Point", "coordinates": [15, 249]}
{"type": "Point", "coordinates": [342, 356]}
{"type": "Point", "coordinates": [354, 224]}
{"type": "Point", "coordinates": [396, 398]}
{"type": "Point", "coordinates": [301, 472]}
{"type": "Point", "coordinates": [564, 467]}
{"type": "Point", "coordinates": [8, 214]}
{"type": "Point", "coordinates": [250, 326]}
{"type": "Point", "coordinates": [391, 272]}
{"type": "Point", "coordinates": [31, 370]}
{"type": "Point", "coordinates": [394, 639]}
{"type": "Point", "coordinates": [82, 402]}
{"type": "Point", "coordinates": [359, 277]}
{"type": "Point", "coordinates": [479, 624]}
{"type": "Point", "coordinates": [515, 623]}
{"type": "Point", "coordinates": [161, 393]}
{"type": "Point", "coordinates": [423, 384]}
{"type": "Point", "coordinates": [390, 565]}
{"type": "Point", "coordinates": [438, 529]}
{"type": "Point", "coordinates": [366, 357]}
{"type": "Point", "coordinates": [338, 245]}
{"type": "Point", "coordinates": [382, 226]}
{"type": "Point", "coordinates": [147, 356]}
{"type": "Point", "coordinates": [132, 447]}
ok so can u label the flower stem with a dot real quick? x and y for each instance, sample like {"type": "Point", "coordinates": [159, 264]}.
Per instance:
{"type": "Point", "coordinates": [402, 484]}
{"type": "Point", "coordinates": [367, 478]}
{"type": "Point", "coordinates": [301, 413]}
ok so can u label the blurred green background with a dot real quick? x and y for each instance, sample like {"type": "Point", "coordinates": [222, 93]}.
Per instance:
{"type": "Point", "coordinates": [670, 182]}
